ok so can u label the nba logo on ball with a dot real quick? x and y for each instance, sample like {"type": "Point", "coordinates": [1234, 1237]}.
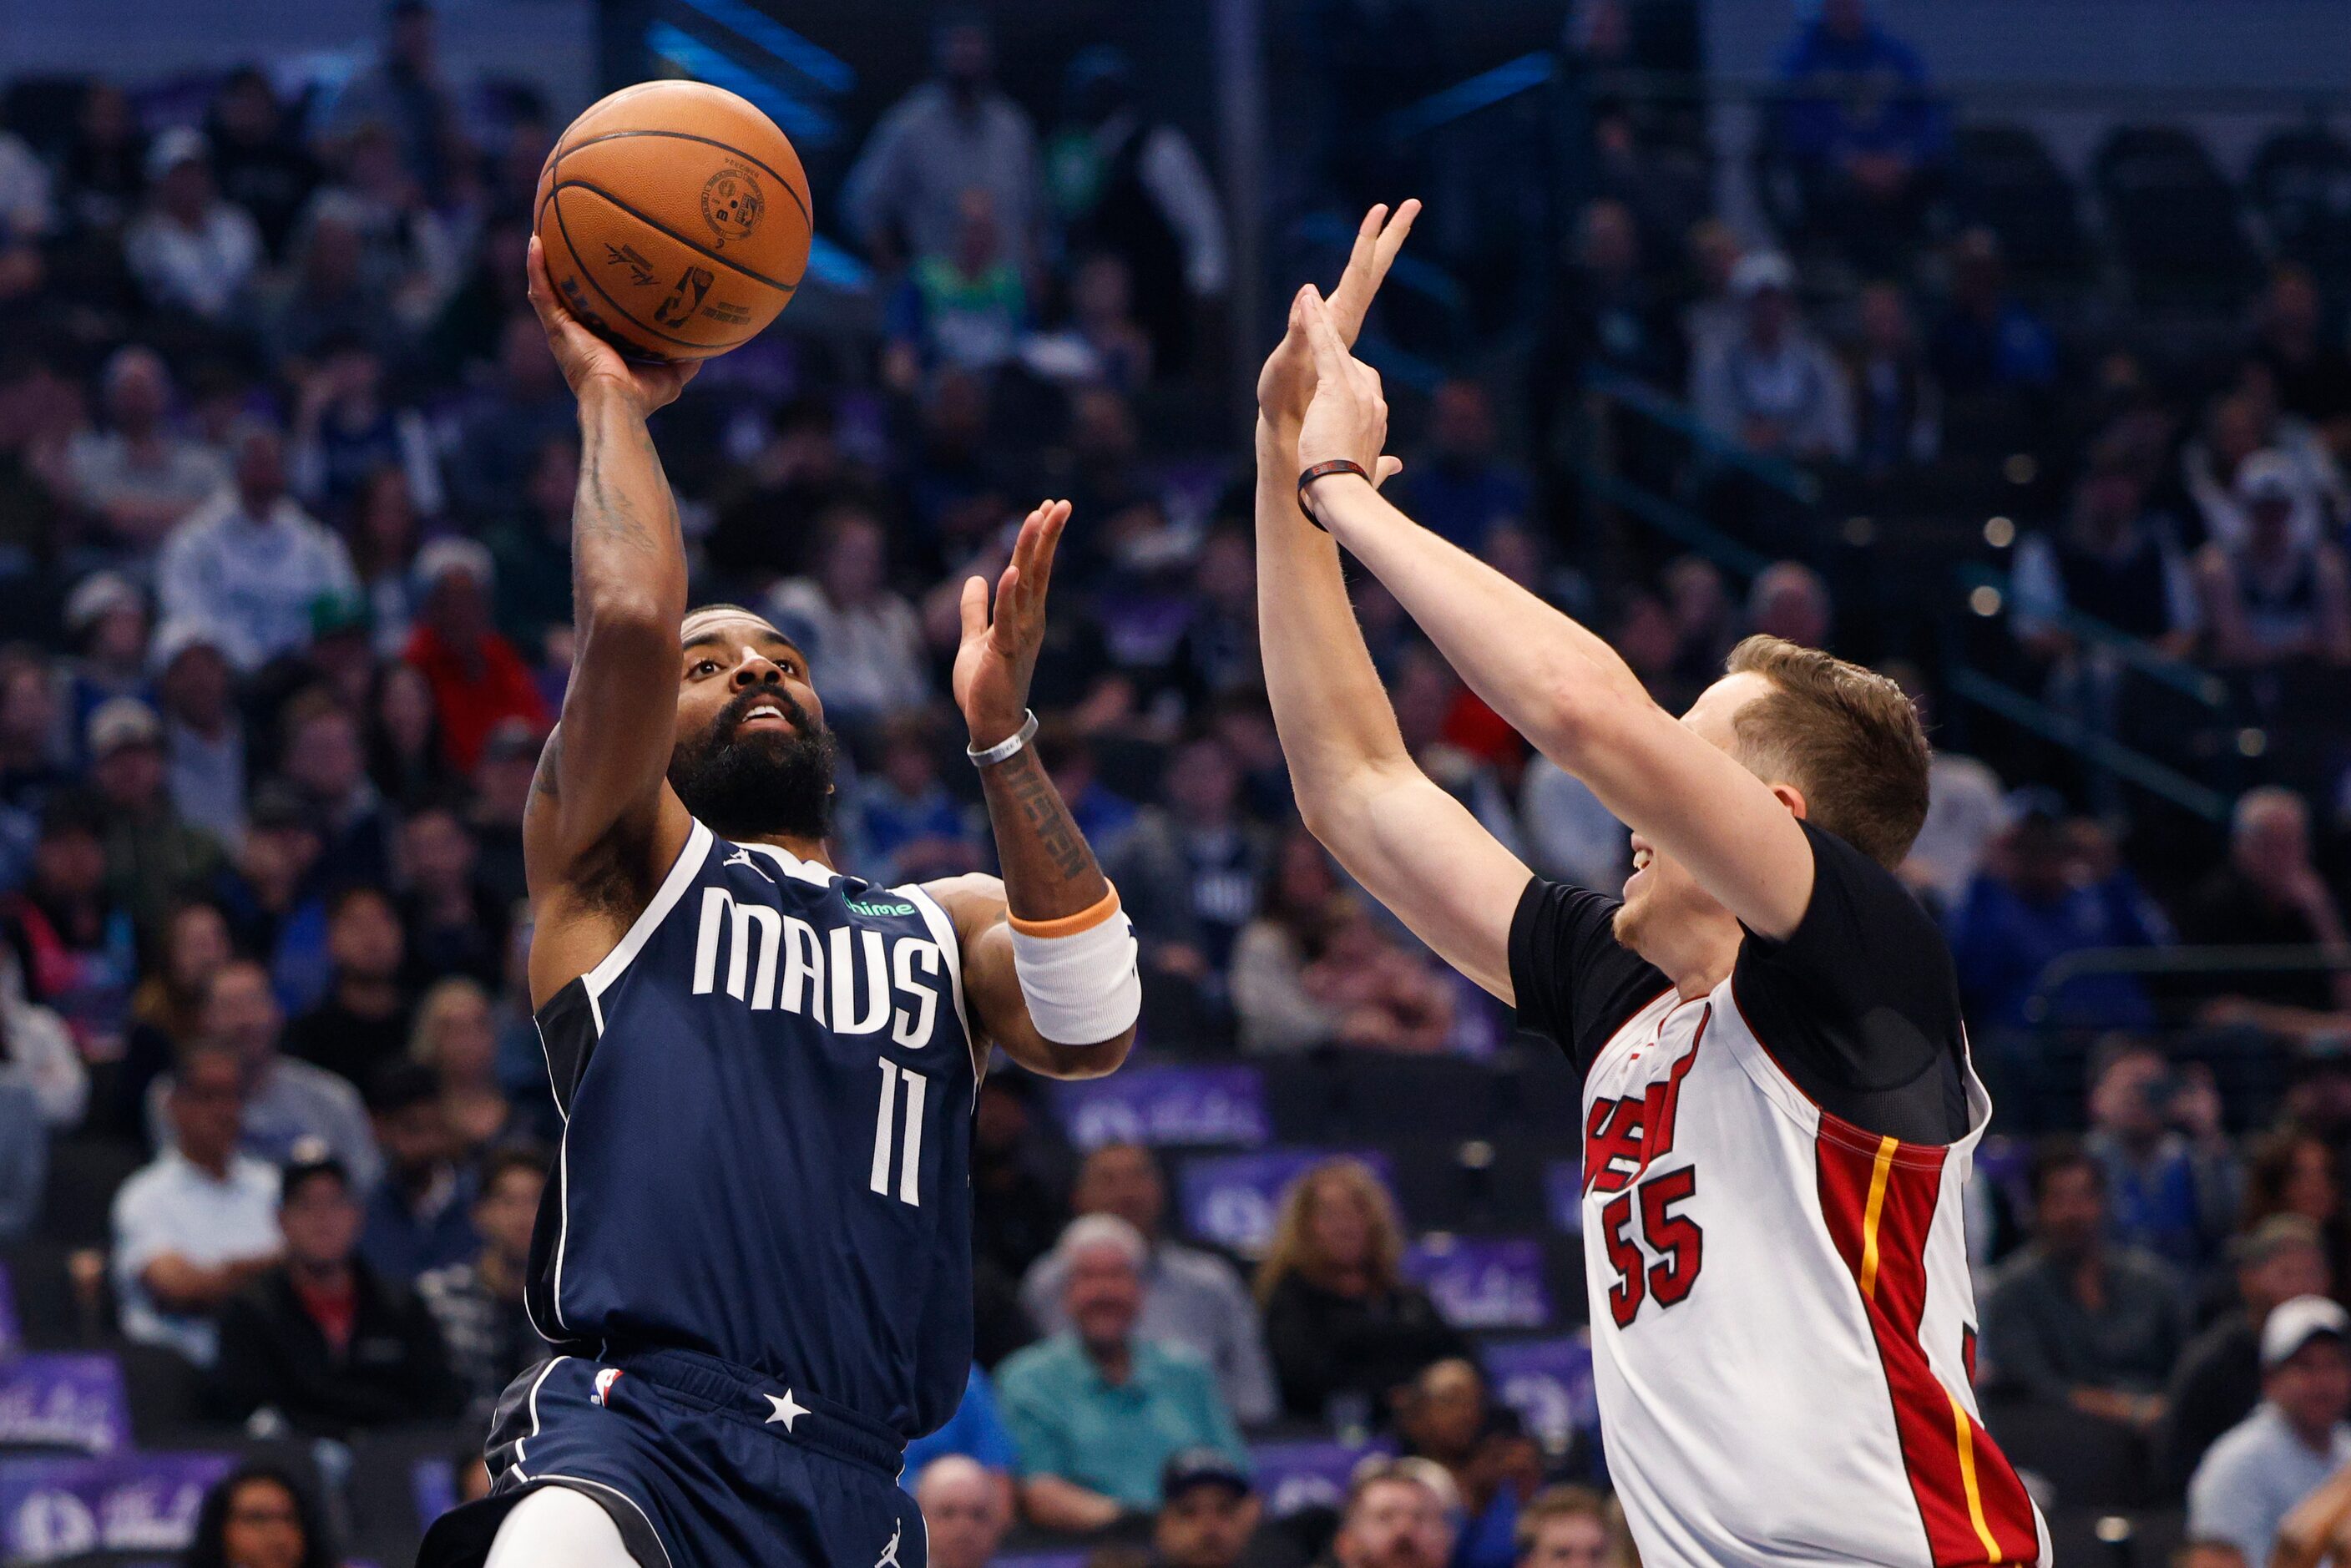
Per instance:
{"type": "Point", "coordinates": [731, 203]}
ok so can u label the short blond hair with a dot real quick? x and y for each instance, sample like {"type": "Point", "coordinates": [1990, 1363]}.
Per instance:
{"type": "Point", "coordinates": [1848, 738]}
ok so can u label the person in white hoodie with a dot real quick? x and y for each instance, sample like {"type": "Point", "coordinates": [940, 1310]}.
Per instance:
{"type": "Point", "coordinates": [250, 560]}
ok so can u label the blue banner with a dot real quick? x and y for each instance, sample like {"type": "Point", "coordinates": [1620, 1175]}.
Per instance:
{"type": "Point", "coordinates": [1230, 1200]}
{"type": "Point", "coordinates": [1293, 1477]}
{"type": "Point", "coordinates": [51, 1509]}
{"type": "Point", "coordinates": [1216, 1105]}
{"type": "Point", "coordinates": [1549, 1383]}
{"type": "Point", "coordinates": [64, 1401]}
{"type": "Point", "coordinates": [1482, 1282]}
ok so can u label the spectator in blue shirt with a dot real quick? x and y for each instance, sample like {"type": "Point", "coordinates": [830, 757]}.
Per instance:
{"type": "Point", "coordinates": [1990, 340]}
{"type": "Point", "coordinates": [976, 1431]}
{"type": "Point", "coordinates": [914, 830]}
{"type": "Point", "coordinates": [1861, 128]}
{"type": "Point", "coordinates": [1097, 1411]}
{"type": "Point", "coordinates": [1459, 489]}
{"type": "Point", "coordinates": [2172, 1180]}
{"type": "Point", "coordinates": [420, 1216]}
{"type": "Point", "coordinates": [2049, 888]}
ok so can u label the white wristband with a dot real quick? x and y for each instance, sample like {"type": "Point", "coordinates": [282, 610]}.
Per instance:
{"type": "Point", "coordinates": [1082, 989]}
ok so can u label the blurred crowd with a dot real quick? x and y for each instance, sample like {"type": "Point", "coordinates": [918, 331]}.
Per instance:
{"type": "Point", "coordinates": [285, 477]}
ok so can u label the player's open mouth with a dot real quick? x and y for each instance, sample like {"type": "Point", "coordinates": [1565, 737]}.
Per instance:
{"type": "Point", "coordinates": [765, 716]}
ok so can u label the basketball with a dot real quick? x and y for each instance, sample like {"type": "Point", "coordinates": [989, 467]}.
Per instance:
{"type": "Point", "coordinates": [674, 221]}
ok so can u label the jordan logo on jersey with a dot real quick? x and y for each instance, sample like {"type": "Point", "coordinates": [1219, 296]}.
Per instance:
{"type": "Point", "coordinates": [775, 961]}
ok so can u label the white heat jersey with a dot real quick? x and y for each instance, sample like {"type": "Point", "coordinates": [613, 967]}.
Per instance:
{"type": "Point", "coordinates": [1783, 1322]}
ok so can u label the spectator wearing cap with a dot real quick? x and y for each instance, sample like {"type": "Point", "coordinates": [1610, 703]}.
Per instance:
{"type": "Point", "coordinates": [288, 1105]}
{"type": "Point", "coordinates": [2172, 1177]}
{"type": "Point", "coordinates": [203, 735]}
{"type": "Point", "coordinates": [251, 560]}
{"type": "Point", "coordinates": [107, 618]}
{"type": "Point", "coordinates": [2050, 885]}
{"type": "Point", "coordinates": [478, 680]}
{"type": "Point", "coordinates": [75, 945]}
{"type": "Point", "coordinates": [2219, 1380]}
{"type": "Point", "coordinates": [154, 857]}
{"type": "Point", "coordinates": [362, 1022]}
{"type": "Point", "coordinates": [1190, 1298]}
{"type": "Point", "coordinates": [2072, 1320]}
{"type": "Point", "coordinates": [419, 1216]}
{"type": "Point", "coordinates": [2292, 1443]}
{"type": "Point", "coordinates": [1209, 1511]}
{"type": "Point", "coordinates": [966, 1513]}
{"type": "Point", "coordinates": [2269, 894]}
{"type": "Point", "coordinates": [189, 249]}
{"type": "Point", "coordinates": [1773, 386]}
{"type": "Point", "coordinates": [198, 1221]}
{"type": "Point", "coordinates": [1398, 1513]}
{"type": "Point", "coordinates": [321, 1342]}
{"type": "Point", "coordinates": [1096, 1410]}
{"type": "Point", "coordinates": [478, 1300]}
{"type": "Point", "coordinates": [2279, 594]}
{"type": "Point", "coordinates": [137, 474]}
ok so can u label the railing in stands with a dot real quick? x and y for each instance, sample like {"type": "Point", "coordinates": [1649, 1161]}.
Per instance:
{"type": "Point", "coordinates": [2190, 680]}
{"type": "Point", "coordinates": [1722, 451]}
{"type": "Point", "coordinates": [2216, 959]}
{"type": "Point", "coordinates": [2099, 750]}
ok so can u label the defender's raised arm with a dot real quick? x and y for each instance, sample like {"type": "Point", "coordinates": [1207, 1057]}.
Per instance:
{"type": "Point", "coordinates": [1415, 848]}
{"type": "Point", "coordinates": [1555, 682]}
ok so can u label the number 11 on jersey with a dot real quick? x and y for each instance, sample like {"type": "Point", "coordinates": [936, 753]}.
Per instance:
{"type": "Point", "coordinates": [909, 1157]}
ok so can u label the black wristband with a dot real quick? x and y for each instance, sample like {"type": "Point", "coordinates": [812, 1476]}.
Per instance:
{"type": "Point", "coordinates": [1323, 471]}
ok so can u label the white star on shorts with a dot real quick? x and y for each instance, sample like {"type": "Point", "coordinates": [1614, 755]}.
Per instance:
{"type": "Point", "coordinates": [788, 1409]}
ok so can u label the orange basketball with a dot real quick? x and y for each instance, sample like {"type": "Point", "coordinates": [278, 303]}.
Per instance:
{"type": "Point", "coordinates": [675, 219]}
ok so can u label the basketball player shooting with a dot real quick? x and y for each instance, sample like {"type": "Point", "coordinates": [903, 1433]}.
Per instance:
{"type": "Point", "coordinates": [1779, 1111]}
{"type": "Point", "coordinates": [754, 1258]}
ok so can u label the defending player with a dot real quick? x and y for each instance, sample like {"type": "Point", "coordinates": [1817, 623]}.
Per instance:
{"type": "Point", "coordinates": [755, 1256]}
{"type": "Point", "coordinates": [1779, 1109]}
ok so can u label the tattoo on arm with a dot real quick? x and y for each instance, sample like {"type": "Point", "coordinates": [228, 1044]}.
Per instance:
{"type": "Point", "coordinates": [604, 514]}
{"type": "Point", "coordinates": [1041, 807]}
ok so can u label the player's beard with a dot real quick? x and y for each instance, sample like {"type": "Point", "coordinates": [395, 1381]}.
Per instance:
{"type": "Point", "coordinates": [767, 784]}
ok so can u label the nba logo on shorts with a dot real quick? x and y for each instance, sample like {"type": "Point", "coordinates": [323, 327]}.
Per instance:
{"type": "Point", "coordinates": [605, 1378]}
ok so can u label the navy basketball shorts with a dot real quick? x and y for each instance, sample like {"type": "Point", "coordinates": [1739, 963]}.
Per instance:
{"type": "Point", "coordinates": [700, 1463]}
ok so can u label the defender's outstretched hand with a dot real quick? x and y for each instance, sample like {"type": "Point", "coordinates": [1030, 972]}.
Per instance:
{"type": "Point", "coordinates": [1287, 383]}
{"type": "Point", "coordinates": [1348, 417]}
{"type": "Point", "coordinates": [587, 359]}
{"type": "Point", "coordinates": [999, 654]}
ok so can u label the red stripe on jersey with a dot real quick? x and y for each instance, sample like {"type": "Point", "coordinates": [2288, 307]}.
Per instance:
{"type": "Point", "coordinates": [1878, 1196]}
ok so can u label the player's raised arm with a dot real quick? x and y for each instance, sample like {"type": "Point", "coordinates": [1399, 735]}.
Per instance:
{"type": "Point", "coordinates": [1048, 955]}
{"type": "Point", "coordinates": [1413, 846]}
{"type": "Point", "coordinates": [600, 808]}
{"type": "Point", "coordinates": [1553, 679]}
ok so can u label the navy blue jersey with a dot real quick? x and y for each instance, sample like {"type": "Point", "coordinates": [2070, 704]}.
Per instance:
{"type": "Point", "coordinates": [766, 1091]}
